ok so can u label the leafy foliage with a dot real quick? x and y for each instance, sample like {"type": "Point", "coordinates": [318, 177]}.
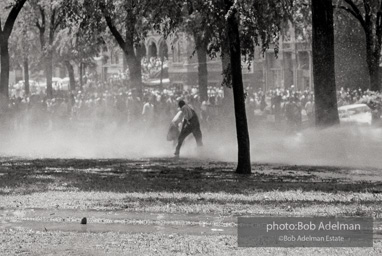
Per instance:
{"type": "Point", "coordinates": [80, 38]}
{"type": "Point", "coordinates": [373, 100]}
{"type": "Point", "coordinates": [260, 23]}
{"type": "Point", "coordinates": [23, 42]}
{"type": "Point", "coordinates": [301, 17]}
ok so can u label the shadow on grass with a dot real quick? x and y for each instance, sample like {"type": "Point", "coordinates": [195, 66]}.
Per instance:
{"type": "Point", "coordinates": [168, 175]}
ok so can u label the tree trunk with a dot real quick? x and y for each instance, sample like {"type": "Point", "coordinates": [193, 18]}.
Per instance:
{"type": "Point", "coordinates": [26, 75]}
{"type": "Point", "coordinates": [135, 67]}
{"type": "Point", "coordinates": [80, 69]}
{"type": "Point", "coordinates": [227, 121]}
{"type": "Point", "coordinates": [49, 68]}
{"type": "Point", "coordinates": [161, 67]}
{"type": "Point", "coordinates": [228, 105]}
{"type": "Point", "coordinates": [201, 51]}
{"type": "Point", "coordinates": [374, 79]}
{"type": "Point", "coordinates": [125, 67]}
{"type": "Point", "coordinates": [373, 65]}
{"type": "Point", "coordinates": [4, 77]}
{"type": "Point", "coordinates": [323, 64]}
{"type": "Point", "coordinates": [371, 59]}
{"type": "Point", "coordinates": [127, 45]}
{"type": "Point", "coordinates": [5, 32]}
{"type": "Point", "coordinates": [135, 73]}
{"type": "Point", "coordinates": [374, 86]}
{"type": "Point", "coordinates": [85, 76]}
{"type": "Point", "coordinates": [49, 74]}
{"type": "Point", "coordinates": [124, 63]}
{"type": "Point", "coordinates": [72, 81]}
{"type": "Point", "coordinates": [244, 158]}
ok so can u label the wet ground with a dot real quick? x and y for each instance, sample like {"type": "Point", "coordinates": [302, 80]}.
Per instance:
{"type": "Point", "coordinates": [117, 221]}
{"type": "Point", "coordinates": [179, 202]}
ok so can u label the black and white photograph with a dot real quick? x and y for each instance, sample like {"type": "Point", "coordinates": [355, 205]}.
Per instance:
{"type": "Point", "coordinates": [190, 127]}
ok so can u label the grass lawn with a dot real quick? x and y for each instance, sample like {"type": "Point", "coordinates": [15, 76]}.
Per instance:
{"type": "Point", "coordinates": [38, 197]}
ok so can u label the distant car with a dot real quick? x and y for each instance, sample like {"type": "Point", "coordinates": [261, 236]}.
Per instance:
{"type": "Point", "coordinates": [57, 84]}
{"type": "Point", "coordinates": [355, 114]}
{"type": "Point", "coordinates": [65, 83]}
{"type": "Point", "coordinates": [21, 84]}
{"type": "Point", "coordinates": [18, 89]}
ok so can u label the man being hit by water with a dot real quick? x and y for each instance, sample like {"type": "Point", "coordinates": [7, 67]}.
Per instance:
{"type": "Point", "coordinates": [190, 125]}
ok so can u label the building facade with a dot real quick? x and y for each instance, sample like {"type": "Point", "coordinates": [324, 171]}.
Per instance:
{"type": "Point", "coordinates": [291, 66]}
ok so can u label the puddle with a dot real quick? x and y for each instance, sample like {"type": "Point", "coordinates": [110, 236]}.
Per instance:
{"type": "Point", "coordinates": [117, 228]}
{"type": "Point", "coordinates": [116, 221]}
{"type": "Point", "coordinates": [118, 216]}
{"type": "Point", "coordinates": [46, 220]}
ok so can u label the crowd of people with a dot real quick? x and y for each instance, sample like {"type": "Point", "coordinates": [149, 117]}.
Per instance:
{"type": "Point", "coordinates": [152, 67]}
{"type": "Point", "coordinates": [101, 104]}
{"type": "Point", "coordinates": [295, 107]}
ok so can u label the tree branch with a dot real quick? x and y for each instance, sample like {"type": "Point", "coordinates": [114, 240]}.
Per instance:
{"type": "Point", "coordinates": [366, 6]}
{"type": "Point", "coordinates": [352, 12]}
{"type": "Point", "coordinates": [59, 20]}
{"type": "Point", "coordinates": [379, 26]}
{"type": "Point", "coordinates": [111, 26]}
{"type": "Point", "coordinates": [42, 13]}
{"type": "Point", "coordinates": [38, 25]}
{"type": "Point", "coordinates": [8, 26]}
{"type": "Point", "coordinates": [42, 26]}
{"type": "Point", "coordinates": [355, 9]}
{"type": "Point", "coordinates": [145, 8]}
{"type": "Point", "coordinates": [53, 18]}
{"type": "Point", "coordinates": [368, 13]}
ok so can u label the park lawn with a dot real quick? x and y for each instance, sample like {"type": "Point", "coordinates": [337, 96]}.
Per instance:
{"type": "Point", "coordinates": [24, 242]}
{"type": "Point", "coordinates": [188, 187]}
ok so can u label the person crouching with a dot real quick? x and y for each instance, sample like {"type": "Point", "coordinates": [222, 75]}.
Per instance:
{"type": "Point", "coordinates": [190, 125]}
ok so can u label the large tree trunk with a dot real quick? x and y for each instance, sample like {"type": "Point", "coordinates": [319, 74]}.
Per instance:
{"type": "Point", "coordinates": [124, 63]}
{"type": "Point", "coordinates": [374, 78]}
{"type": "Point", "coordinates": [161, 69]}
{"type": "Point", "coordinates": [162, 53]}
{"type": "Point", "coordinates": [373, 65]}
{"type": "Point", "coordinates": [372, 59]}
{"type": "Point", "coordinates": [72, 81]}
{"type": "Point", "coordinates": [26, 75]}
{"type": "Point", "coordinates": [80, 71]}
{"type": "Point", "coordinates": [244, 158]}
{"type": "Point", "coordinates": [5, 32]}
{"type": "Point", "coordinates": [227, 119]}
{"type": "Point", "coordinates": [201, 51]}
{"type": "Point", "coordinates": [323, 63]}
{"type": "Point", "coordinates": [373, 49]}
{"type": "Point", "coordinates": [127, 44]}
{"type": "Point", "coordinates": [228, 105]}
{"type": "Point", "coordinates": [135, 67]}
{"type": "Point", "coordinates": [135, 74]}
{"type": "Point", "coordinates": [49, 74]}
{"type": "Point", "coordinates": [4, 77]}
{"type": "Point", "coordinates": [125, 67]}
{"type": "Point", "coordinates": [49, 62]}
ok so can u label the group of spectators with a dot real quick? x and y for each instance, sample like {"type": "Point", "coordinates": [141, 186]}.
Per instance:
{"type": "Point", "coordinates": [296, 108]}
{"type": "Point", "coordinates": [101, 104]}
{"type": "Point", "coordinates": [281, 106]}
{"type": "Point", "coordinates": [152, 67]}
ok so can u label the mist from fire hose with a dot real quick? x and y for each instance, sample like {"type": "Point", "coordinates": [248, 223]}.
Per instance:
{"type": "Point", "coordinates": [341, 146]}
